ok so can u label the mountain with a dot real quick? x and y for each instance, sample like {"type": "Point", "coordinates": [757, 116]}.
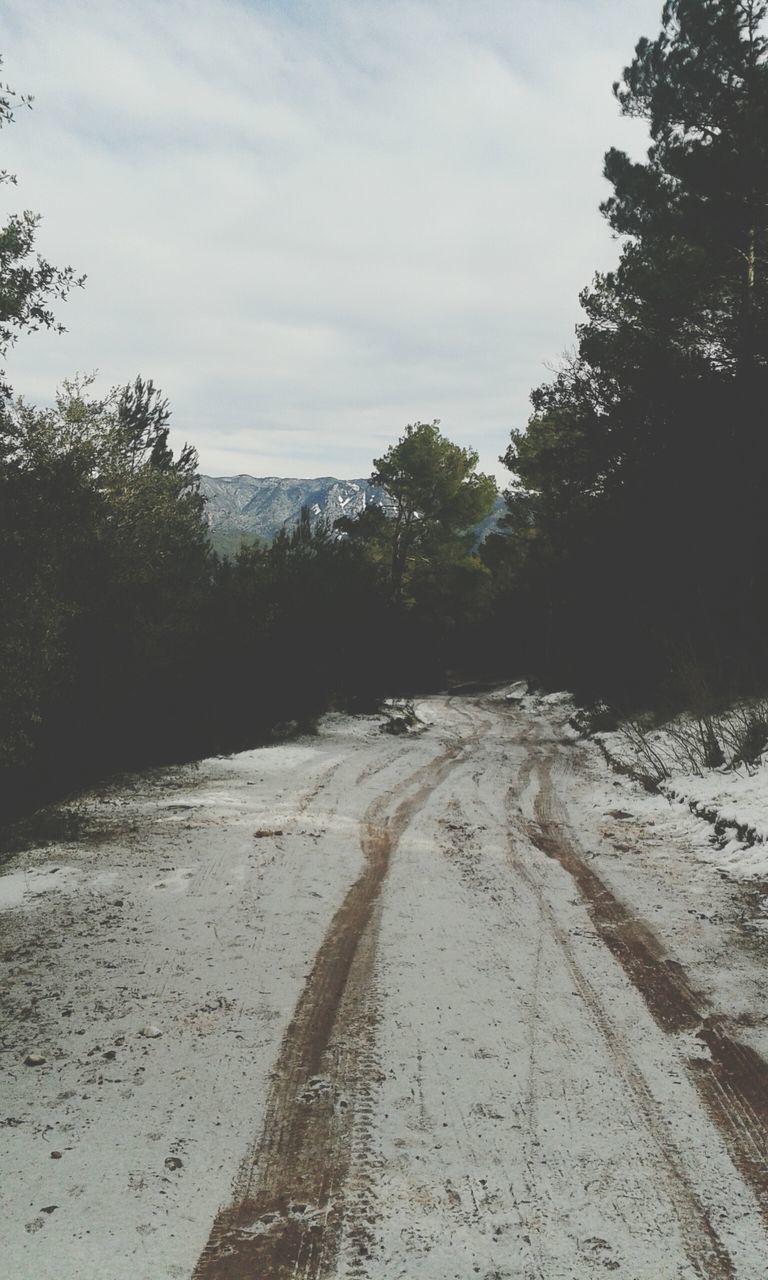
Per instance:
{"type": "Point", "coordinates": [244, 508]}
{"type": "Point", "coordinates": [259, 506]}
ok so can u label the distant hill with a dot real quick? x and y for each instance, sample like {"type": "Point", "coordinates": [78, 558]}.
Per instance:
{"type": "Point", "coordinates": [260, 506]}
{"type": "Point", "coordinates": [246, 508]}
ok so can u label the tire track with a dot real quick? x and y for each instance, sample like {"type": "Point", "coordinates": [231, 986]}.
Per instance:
{"type": "Point", "coordinates": [292, 1195]}
{"type": "Point", "coordinates": [733, 1080]}
{"type": "Point", "coordinates": [676, 1009]}
{"type": "Point", "coordinates": [704, 1249]}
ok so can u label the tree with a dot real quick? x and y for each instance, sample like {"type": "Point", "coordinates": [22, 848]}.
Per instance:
{"type": "Point", "coordinates": [28, 283]}
{"type": "Point", "coordinates": [700, 199]}
{"type": "Point", "coordinates": [637, 496]}
{"type": "Point", "coordinates": [105, 562]}
{"type": "Point", "coordinates": [423, 533]}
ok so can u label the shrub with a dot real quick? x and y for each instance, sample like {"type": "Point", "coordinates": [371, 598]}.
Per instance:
{"type": "Point", "coordinates": [401, 718]}
{"type": "Point", "coordinates": [746, 731]}
{"type": "Point", "coordinates": [596, 717]}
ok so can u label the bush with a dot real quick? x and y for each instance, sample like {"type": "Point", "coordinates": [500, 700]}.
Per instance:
{"type": "Point", "coordinates": [745, 728]}
{"type": "Point", "coordinates": [597, 717]}
{"type": "Point", "coordinates": [401, 718]}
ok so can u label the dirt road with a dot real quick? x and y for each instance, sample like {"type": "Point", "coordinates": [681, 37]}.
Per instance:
{"type": "Point", "coordinates": [381, 1008]}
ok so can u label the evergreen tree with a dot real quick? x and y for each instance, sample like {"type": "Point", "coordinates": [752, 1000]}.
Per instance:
{"type": "Point", "coordinates": [423, 534]}
{"type": "Point", "coordinates": [104, 569]}
{"type": "Point", "coordinates": [637, 500]}
{"type": "Point", "coordinates": [697, 207]}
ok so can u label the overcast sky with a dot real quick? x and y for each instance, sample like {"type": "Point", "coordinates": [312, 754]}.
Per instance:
{"type": "Point", "coordinates": [313, 222]}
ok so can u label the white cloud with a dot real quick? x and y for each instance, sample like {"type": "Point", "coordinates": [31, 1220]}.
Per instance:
{"type": "Point", "coordinates": [311, 223]}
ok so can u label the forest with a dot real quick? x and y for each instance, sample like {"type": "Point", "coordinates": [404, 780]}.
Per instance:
{"type": "Point", "coordinates": [630, 565]}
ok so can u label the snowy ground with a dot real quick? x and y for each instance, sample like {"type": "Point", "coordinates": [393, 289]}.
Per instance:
{"type": "Point", "coordinates": [462, 1004]}
{"type": "Point", "coordinates": [732, 798]}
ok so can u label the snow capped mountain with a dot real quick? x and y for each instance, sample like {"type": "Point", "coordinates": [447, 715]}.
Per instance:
{"type": "Point", "coordinates": [245, 507]}
{"type": "Point", "coordinates": [259, 506]}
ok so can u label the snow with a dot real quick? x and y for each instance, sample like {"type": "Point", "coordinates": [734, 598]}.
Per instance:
{"type": "Point", "coordinates": [27, 887]}
{"type": "Point", "coordinates": [558, 699]}
{"type": "Point", "coordinates": [522, 1112]}
{"type": "Point", "coordinates": [736, 799]}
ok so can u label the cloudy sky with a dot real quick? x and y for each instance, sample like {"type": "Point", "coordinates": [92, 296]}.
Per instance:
{"type": "Point", "coordinates": [313, 221]}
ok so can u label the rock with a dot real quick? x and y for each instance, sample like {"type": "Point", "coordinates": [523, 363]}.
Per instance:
{"type": "Point", "coordinates": [173, 1162]}
{"type": "Point", "coordinates": [34, 1060]}
{"type": "Point", "coordinates": [55, 1155]}
{"type": "Point", "coordinates": [110, 1055]}
{"type": "Point", "coordinates": [150, 1032]}
{"type": "Point", "coordinates": [49, 1208]}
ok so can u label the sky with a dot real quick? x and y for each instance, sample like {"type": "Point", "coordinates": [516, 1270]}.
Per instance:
{"type": "Point", "coordinates": [311, 223]}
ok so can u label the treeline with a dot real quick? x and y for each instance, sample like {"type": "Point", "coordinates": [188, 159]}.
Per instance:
{"type": "Point", "coordinates": [632, 561]}
{"type": "Point", "coordinates": [637, 548]}
{"type": "Point", "coordinates": [103, 575]}
{"type": "Point", "coordinates": [127, 641]}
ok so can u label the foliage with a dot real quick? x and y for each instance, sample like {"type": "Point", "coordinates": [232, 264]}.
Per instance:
{"type": "Point", "coordinates": [636, 503]}
{"type": "Point", "coordinates": [422, 537]}
{"type": "Point", "coordinates": [126, 640]}
{"type": "Point", "coordinates": [400, 718]}
{"type": "Point", "coordinates": [228, 543]}
{"type": "Point", "coordinates": [743, 731]}
{"type": "Point", "coordinates": [28, 283]}
{"type": "Point", "coordinates": [103, 558]}
{"type": "Point", "coordinates": [733, 738]}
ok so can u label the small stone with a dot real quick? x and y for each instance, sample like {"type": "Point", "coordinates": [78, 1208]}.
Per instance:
{"type": "Point", "coordinates": [173, 1162]}
{"type": "Point", "coordinates": [49, 1208]}
{"type": "Point", "coordinates": [55, 1155]}
{"type": "Point", "coordinates": [150, 1032]}
{"type": "Point", "coordinates": [34, 1060]}
{"type": "Point", "coordinates": [110, 1055]}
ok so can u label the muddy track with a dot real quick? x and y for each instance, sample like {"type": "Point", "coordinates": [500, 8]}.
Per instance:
{"type": "Point", "coordinates": [733, 1079]}
{"type": "Point", "coordinates": [295, 1186]}
{"type": "Point", "coordinates": [414, 1039]}
{"type": "Point", "coordinates": [705, 1250]}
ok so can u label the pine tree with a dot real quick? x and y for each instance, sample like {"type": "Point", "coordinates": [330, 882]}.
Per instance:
{"type": "Point", "coordinates": [638, 498]}
{"type": "Point", "coordinates": [433, 499]}
{"type": "Point", "coordinates": [698, 207]}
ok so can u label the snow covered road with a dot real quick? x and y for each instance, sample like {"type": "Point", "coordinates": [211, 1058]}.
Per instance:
{"type": "Point", "coordinates": [449, 1006]}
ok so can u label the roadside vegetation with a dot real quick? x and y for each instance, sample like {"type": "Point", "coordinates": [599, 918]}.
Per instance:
{"type": "Point", "coordinates": [634, 564]}
{"type": "Point", "coordinates": [631, 563]}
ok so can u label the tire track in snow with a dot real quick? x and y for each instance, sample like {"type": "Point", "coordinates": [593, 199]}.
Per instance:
{"type": "Point", "coordinates": [705, 1250]}
{"type": "Point", "coordinates": [291, 1195]}
{"type": "Point", "coordinates": [733, 1080]}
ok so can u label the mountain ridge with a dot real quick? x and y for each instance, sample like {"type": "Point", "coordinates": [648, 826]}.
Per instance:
{"type": "Point", "coordinates": [242, 507]}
